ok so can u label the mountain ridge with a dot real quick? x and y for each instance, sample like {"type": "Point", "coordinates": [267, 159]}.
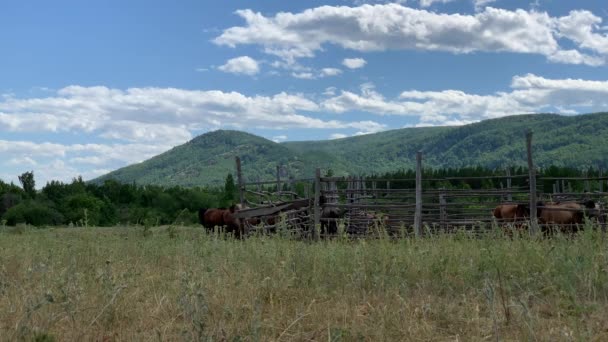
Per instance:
{"type": "Point", "coordinates": [575, 141]}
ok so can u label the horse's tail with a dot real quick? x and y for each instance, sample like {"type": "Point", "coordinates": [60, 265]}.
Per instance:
{"type": "Point", "coordinates": [201, 215]}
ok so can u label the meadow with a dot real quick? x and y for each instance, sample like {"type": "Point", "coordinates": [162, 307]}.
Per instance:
{"type": "Point", "coordinates": [174, 283]}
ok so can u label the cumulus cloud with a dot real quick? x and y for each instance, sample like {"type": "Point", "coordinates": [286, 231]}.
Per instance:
{"type": "Point", "coordinates": [337, 136]}
{"type": "Point", "coordinates": [354, 63]}
{"type": "Point", "coordinates": [155, 114]}
{"type": "Point", "coordinates": [54, 161]}
{"type": "Point", "coordinates": [241, 65]}
{"type": "Point", "coordinates": [392, 26]}
{"type": "Point", "coordinates": [530, 93]}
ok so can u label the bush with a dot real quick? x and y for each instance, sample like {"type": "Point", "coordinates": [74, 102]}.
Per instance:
{"type": "Point", "coordinates": [82, 209]}
{"type": "Point", "coordinates": [34, 213]}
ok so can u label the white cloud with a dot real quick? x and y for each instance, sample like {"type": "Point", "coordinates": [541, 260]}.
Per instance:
{"type": "Point", "coordinates": [53, 161]}
{"type": "Point", "coordinates": [330, 72]}
{"type": "Point", "coordinates": [330, 91]}
{"type": "Point", "coordinates": [155, 114]}
{"type": "Point", "coordinates": [337, 136]}
{"type": "Point", "coordinates": [481, 4]}
{"type": "Point", "coordinates": [22, 161]}
{"type": "Point", "coordinates": [395, 27]}
{"type": "Point", "coordinates": [303, 75]}
{"type": "Point", "coordinates": [428, 3]}
{"type": "Point", "coordinates": [354, 63]}
{"type": "Point", "coordinates": [241, 65]}
{"type": "Point", "coordinates": [279, 138]}
{"type": "Point", "coordinates": [530, 94]}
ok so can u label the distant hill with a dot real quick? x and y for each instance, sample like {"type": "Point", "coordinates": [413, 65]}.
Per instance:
{"type": "Point", "coordinates": [575, 141]}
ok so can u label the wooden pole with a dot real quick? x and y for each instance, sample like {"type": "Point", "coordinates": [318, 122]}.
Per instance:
{"type": "Point", "coordinates": [443, 212]}
{"type": "Point", "coordinates": [532, 180]}
{"type": "Point", "coordinates": [509, 195]}
{"type": "Point", "coordinates": [317, 209]}
{"type": "Point", "coordinates": [418, 213]}
{"type": "Point", "coordinates": [239, 178]}
{"type": "Point", "coordinates": [601, 180]}
{"type": "Point", "coordinates": [587, 188]}
{"type": "Point", "coordinates": [279, 181]}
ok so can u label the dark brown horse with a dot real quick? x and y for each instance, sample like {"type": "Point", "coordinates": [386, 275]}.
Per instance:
{"type": "Point", "coordinates": [222, 217]}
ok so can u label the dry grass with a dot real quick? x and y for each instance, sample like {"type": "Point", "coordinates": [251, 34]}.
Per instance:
{"type": "Point", "coordinates": [115, 284]}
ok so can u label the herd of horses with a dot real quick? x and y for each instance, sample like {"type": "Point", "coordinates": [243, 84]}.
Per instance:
{"type": "Point", "coordinates": [566, 216]}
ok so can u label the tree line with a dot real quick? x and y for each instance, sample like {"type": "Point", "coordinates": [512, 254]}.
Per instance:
{"type": "Point", "coordinates": [78, 203]}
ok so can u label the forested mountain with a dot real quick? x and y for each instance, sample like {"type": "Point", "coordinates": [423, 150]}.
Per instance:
{"type": "Point", "coordinates": [573, 141]}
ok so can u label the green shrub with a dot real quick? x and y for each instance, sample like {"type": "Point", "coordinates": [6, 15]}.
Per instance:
{"type": "Point", "coordinates": [34, 213]}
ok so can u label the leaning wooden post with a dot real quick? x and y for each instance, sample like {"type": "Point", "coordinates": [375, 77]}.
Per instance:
{"type": "Point", "coordinates": [418, 213]}
{"type": "Point", "coordinates": [532, 177]}
{"type": "Point", "coordinates": [239, 177]}
{"type": "Point", "coordinates": [317, 209]}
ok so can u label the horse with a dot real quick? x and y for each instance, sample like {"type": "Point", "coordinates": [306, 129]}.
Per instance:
{"type": "Point", "coordinates": [569, 215]}
{"type": "Point", "coordinates": [222, 217]}
{"type": "Point", "coordinates": [329, 217]}
{"type": "Point", "coordinates": [511, 216]}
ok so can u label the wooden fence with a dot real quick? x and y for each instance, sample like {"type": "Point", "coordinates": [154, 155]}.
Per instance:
{"type": "Point", "coordinates": [368, 203]}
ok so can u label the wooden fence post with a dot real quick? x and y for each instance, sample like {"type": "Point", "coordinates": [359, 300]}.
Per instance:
{"type": "Point", "coordinates": [509, 194]}
{"type": "Point", "coordinates": [443, 212]}
{"type": "Point", "coordinates": [239, 178]}
{"type": "Point", "coordinates": [418, 213]}
{"type": "Point", "coordinates": [317, 210]}
{"type": "Point", "coordinates": [601, 180]}
{"type": "Point", "coordinates": [532, 178]}
{"type": "Point", "coordinates": [586, 183]}
{"type": "Point", "coordinates": [279, 182]}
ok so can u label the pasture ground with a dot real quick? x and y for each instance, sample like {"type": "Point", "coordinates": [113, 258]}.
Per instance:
{"type": "Point", "coordinates": [177, 283]}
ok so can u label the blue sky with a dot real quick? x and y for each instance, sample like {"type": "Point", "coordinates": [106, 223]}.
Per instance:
{"type": "Point", "coordinates": [88, 87]}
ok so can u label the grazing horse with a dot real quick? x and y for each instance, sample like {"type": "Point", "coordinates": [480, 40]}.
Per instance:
{"type": "Point", "coordinates": [569, 215]}
{"type": "Point", "coordinates": [221, 217]}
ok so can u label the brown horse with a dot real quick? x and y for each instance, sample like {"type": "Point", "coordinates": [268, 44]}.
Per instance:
{"type": "Point", "coordinates": [222, 217]}
{"type": "Point", "coordinates": [511, 216]}
{"type": "Point", "coordinates": [567, 215]}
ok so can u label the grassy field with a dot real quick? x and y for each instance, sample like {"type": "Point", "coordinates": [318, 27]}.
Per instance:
{"type": "Point", "coordinates": [176, 283]}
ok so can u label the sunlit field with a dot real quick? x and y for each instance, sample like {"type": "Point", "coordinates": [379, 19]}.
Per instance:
{"type": "Point", "coordinates": [178, 283]}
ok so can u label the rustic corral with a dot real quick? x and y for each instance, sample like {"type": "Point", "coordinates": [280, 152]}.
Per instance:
{"type": "Point", "coordinates": [364, 206]}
